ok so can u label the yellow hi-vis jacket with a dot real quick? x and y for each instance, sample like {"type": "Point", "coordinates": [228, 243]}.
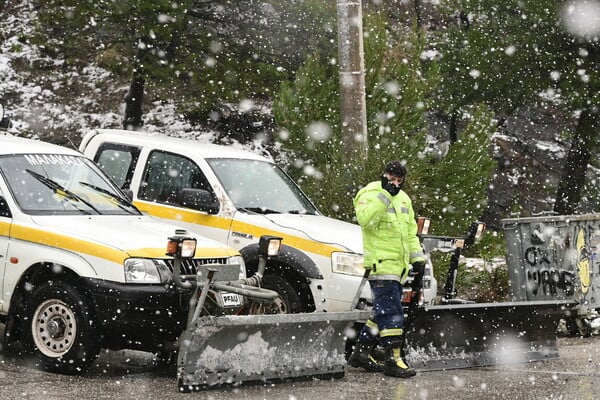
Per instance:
{"type": "Point", "coordinates": [389, 230]}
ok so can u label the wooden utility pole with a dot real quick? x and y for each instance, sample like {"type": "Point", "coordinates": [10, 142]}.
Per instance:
{"type": "Point", "coordinates": [352, 81]}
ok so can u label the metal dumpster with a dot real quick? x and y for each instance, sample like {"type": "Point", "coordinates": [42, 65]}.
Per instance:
{"type": "Point", "coordinates": [555, 257]}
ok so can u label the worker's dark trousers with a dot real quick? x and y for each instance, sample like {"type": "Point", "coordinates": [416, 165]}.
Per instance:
{"type": "Point", "coordinates": [387, 320]}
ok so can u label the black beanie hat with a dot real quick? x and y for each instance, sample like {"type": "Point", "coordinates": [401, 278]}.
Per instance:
{"type": "Point", "coordinates": [395, 168]}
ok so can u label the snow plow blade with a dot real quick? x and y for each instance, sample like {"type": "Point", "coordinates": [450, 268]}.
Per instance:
{"type": "Point", "coordinates": [483, 334]}
{"type": "Point", "coordinates": [230, 350]}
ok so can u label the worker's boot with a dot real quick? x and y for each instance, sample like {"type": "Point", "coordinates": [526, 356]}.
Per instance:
{"type": "Point", "coordinates": [361, 358]}
{"type": "Point", "coordinates": [394, 364]}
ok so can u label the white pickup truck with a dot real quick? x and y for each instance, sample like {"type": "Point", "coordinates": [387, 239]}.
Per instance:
{"type": "Point", "coordinates": [80, 267]}
{"type": "Point", "coordinates": [236, 196]}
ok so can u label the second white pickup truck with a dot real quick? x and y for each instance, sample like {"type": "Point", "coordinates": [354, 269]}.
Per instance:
{"type": "Point", "coordinates": [236, 196]}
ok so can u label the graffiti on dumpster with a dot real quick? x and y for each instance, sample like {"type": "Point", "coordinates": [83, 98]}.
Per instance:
{"type": "Point", "coordinates": [551, 270]}
{"type": "Point", "coordinates": [550, 280]}
{"type": "Point", "coordinates": [583, 261]}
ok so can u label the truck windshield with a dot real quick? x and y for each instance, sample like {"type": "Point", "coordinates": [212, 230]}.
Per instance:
{"type": "Point", "coordinates": [262, 187]}
{"type": "Point", "coordinates": [50, 184]}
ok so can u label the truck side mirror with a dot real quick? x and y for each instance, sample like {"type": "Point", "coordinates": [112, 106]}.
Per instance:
{"type": "Point", "coordinates": [199, 199]}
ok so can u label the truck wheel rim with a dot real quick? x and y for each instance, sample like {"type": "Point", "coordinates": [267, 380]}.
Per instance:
{"type": "Point", "coordinates": [54, 328]}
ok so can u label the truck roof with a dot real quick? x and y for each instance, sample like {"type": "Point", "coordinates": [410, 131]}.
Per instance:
{"type": "Point", "coordinates": [17, 145]}
{"type": "Point", "coordinates": [178, 145]}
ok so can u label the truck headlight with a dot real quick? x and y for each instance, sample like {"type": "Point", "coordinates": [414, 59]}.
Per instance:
{"type": "Point", "coordinates": [347, 263]}
{"type": "Point", "coordinates": [239, 260]}
{"type": "Point", "coordinates": [144, 270]}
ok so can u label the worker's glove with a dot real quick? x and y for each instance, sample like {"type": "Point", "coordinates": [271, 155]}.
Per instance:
{"type": "Point", "coordinates": [418, 267]}
{"type": "Point", "coordinates": [389, 186]}
{"type": "Point", "coordinates": [418, 270]}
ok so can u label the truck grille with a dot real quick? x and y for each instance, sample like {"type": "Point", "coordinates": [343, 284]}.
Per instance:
{"type": "Point", "coordinates": [190, 266]}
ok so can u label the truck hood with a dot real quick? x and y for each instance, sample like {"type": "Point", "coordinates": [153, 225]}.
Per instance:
{"type": "Point", "coordinates": [125, 233]}
{"type": "Point", "coordinates": [320, 228]}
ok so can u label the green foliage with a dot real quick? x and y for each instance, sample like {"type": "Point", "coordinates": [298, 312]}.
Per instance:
{"type": "Point", "coordinates": [201, 53]}
{"type": "Point", "coordinates": [492, 282]}
{"type": "Point", "coordinates": [524, 52]}
{"type": "Point", "coordinates": [487, 283]}
{"type": "Point", "coordinates": [454, 192]}
{"type": "Point", "coordinates": [148, 35]}
{"type": "Point", "coordinates": [507, 53]}
{"type": "Point", "coordinates": [308, 111]}
{"type": "Point", "coordinates": [16, 47]}
{"type": "Point", "coordinates": [490, 246]}
{"type": "Point", "coordinates": [249, 47]}
{"type": "Point", "coordinates": [398, 86]}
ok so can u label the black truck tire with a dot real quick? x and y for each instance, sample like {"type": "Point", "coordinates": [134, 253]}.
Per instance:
{"type": "Point", "coordinates": [289, 301]}
{"type": "Point", "coordinates": [59, 330]}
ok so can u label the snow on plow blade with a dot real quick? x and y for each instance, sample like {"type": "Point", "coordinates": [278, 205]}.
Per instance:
{"type": "Point", "coordinates": [470, 335]}
{"type": "Point", "coordinates": [229, 350]}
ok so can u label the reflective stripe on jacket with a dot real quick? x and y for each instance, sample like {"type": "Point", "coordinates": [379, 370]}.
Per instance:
{"type": "Point", "coordinates": [389, 230]}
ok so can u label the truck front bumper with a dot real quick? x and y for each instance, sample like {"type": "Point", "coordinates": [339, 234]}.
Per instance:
{"type": "Point", "coordinates": [138, 316]}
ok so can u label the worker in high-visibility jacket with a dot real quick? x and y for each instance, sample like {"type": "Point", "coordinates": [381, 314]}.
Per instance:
{"type": "Point", "coordinates": [390, 242]}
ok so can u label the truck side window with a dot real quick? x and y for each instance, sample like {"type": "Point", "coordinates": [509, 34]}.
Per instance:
{"type": "Point", "coordinates": [118, 161]}
{"type": "Point", "coordinates": [166, 174]}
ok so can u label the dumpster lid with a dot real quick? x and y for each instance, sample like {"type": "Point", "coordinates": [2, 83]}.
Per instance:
{"type": "Point", "coordinates": [551, 218]}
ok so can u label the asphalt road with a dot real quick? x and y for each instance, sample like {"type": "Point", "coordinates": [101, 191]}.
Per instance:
{"type": "Point", "coordinates": [135, 375]}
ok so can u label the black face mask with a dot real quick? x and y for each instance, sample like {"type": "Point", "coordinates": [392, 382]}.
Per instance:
{"type": "Point", "coordinates": [389, 186]}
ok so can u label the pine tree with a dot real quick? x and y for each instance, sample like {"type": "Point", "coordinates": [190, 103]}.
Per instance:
{"type": "Point", "coordinates": [526, 52]}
